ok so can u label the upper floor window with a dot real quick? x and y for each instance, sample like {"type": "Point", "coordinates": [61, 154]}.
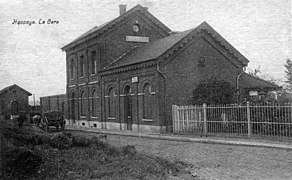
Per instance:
{"type": "Point", "coordinates": [72, 68]}
{"type": "Point", "coordinates": [82, 66]}
{"type": "Point", "coordinates": [93, 62]}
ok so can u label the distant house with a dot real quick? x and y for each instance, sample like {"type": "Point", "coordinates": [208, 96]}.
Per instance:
{"type": "Point", "coordinates": [13, 99]}
{"type": "Point", "coordinates": [54, 102]}
{"type": "Point", "coordinates": [255, 88]}
{"type": "Point", "coordinates": [127, 73]}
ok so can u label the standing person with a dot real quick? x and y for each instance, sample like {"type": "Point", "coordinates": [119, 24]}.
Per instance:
{"type": "Point", "coordinates": [21, 119]}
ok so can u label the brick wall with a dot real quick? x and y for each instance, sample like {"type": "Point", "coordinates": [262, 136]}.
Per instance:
{"type": "Point", "coordinates": [55, 102]}
{"type": "Point", "coordinates": [184, 71]}
{"type": "Point", "coordinates": [7, 98]}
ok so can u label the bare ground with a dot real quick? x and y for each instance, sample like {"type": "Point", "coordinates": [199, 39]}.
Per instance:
{"type": "Point", "coordinates": [215, 161]}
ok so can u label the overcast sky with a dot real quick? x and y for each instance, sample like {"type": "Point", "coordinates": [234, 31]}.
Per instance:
{"type": "Point", "coordinates": [31, 56]}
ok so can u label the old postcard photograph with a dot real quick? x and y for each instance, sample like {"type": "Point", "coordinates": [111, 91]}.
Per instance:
{"type": "Point", "coordinates": [146, 89]}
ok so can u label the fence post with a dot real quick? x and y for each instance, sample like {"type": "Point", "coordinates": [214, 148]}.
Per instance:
{"type": "Point", "coordinates": [205, 119]}
{"type": "Point", "coordinates": [173, 119]}
{"type": "Point", "coordinates": [248, 120]}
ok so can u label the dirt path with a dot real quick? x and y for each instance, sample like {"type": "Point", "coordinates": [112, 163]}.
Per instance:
{"type": "Point", "coordinates": [215, 161]}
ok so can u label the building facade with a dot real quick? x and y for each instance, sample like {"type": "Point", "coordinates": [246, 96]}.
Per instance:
{"type": "Point", "coordinates": [13, 99]}
{"type": "Point", "coordinates": [55, 102]}
{"type": "Point", "coordinates": [126, 73]}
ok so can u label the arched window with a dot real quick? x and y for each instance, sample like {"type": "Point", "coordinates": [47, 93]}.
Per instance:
{"type": "Point", "coordinates": [82, 66]}
{"type": "Point", "coordinates": [82, 104]}
{"type": "Point", "coordinates": [72, 69]}
{"type": "Point", "coordinates": [93, 62]}
{"type": "Point", "coordinates": [147, 102]}
{"type": "Point", "coordinates": [14, 107]}
{"type": "Point", "coordinates": [111, 103]}
{"type": "Point", "coordinates": [72, 105]}
{"type": "Point", "coordinates": [94, 104]}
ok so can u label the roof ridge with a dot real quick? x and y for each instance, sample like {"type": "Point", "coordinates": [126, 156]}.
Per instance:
{"type": "Point", "coordinates": [116, 20]}
{"type": "Point", "coordinates": [2, 90]}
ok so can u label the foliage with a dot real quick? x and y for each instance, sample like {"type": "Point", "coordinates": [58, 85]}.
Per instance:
{"type": "Point", "coordinates": [213, 91]}
{"type": "Point", "coordinates": [26, 155]}
{"type": "Point", "coordinates": [288, 71]}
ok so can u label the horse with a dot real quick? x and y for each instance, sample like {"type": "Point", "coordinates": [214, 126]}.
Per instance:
{"type": "Point", "coordinates": [40, 121]}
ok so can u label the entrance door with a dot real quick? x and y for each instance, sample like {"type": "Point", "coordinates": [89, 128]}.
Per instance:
{"type": "Point", "coordinates": [128, 108]}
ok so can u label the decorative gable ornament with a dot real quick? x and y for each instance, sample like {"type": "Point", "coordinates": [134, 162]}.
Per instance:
{"type": "Point", "coordinates": [201, 62]}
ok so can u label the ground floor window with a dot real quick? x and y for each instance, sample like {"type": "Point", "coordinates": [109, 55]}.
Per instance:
{"type": "Point", "coordinates": [82, 103]}
{"type": "Point", "coordinates": [147, 102]}
{"type": "Point", "coordinates": [94, 104]}
{"type": "Point", "coordinates": [111, 103]}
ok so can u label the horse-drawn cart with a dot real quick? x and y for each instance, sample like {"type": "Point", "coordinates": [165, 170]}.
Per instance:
{"type": "Point", "coordinates": [55, 118]}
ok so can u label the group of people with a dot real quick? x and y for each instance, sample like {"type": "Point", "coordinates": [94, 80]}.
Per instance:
{"type": "Point", "coordinates": [38, 120]}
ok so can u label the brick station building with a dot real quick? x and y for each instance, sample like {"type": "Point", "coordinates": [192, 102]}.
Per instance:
{"type": "Point", "coordinates": [126, 73]}
{"type": "Point", "coordinates": [13, 99]}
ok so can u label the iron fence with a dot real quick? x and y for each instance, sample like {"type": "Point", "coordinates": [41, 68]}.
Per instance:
{"type": "Point", "coordinates": [249, 120]}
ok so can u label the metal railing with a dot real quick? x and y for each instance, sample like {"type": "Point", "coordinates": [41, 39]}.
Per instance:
{"type": "Point", "coordinates": [248, 120]}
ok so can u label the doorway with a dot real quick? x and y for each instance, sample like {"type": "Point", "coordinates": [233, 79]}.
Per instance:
{"type": "Point", "coordinates": [128, 108]}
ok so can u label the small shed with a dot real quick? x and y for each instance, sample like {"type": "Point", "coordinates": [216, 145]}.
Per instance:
{"type": "Point", "coordinates": [13, 99]}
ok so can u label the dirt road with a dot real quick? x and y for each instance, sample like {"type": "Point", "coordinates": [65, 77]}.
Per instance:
{"type": "Point", "coordinates": [215, 161]}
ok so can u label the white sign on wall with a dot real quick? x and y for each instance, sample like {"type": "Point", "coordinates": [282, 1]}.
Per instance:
{"type": "Point", "coordinates": [134, 79]}
{"type": "Point", "coordinates": [137, 39]}
{"type": "Point", "coordinates": [253, 93]}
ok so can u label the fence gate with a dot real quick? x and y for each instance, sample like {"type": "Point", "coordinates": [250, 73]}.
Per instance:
{"type": "Point", "coordinates": [188, 119]}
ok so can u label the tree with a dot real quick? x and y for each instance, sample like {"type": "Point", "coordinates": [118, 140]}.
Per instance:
{"type": "Point", "coordinates": [213, 91]}
{"type": "Point", "coordinates": [288, 71]}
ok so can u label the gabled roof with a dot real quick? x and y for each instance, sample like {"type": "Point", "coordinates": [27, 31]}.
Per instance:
{"type": "Point", "coordinates": [97, 30]}
{"type": "Point", "coordinates": [149, 51]}
{"type": "Point", "coordinates": [251, 82]}
{"type": "Point", "coordinates": [9, 88]}
{"type": "Point", "coordinates": [155, 49]}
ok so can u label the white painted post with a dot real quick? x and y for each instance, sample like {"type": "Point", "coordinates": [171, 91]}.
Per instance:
{"type": "Point", "coordinates": [173, 119]}
{"type": "Point", "coordinates": [248, 120]}
{"type": "Point", "coordinates": [205, 119]}
{"type": "Point", "coordinates": [187, 118]}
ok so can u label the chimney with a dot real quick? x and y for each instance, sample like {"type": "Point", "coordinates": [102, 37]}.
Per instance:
{"type": "Point", "coordinates": [123, 9]}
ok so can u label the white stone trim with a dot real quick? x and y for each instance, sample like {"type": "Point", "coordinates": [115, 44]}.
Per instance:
{"type": "Point", "coordinates": [82, 84]}
{"type": "Point", "coordinates": [72, 86]}
{"type": "Point", "coordinates": [147, 120]}
{"type": "Point", "coordinates": [152, 93]}
{"type": "Point", "coordinates": [92, 82]}
{"type": "Point", "coordinates": [122, 95]}
{"type": "Point", "coordinates": [111, 118]}
{"type": "Point", "coordinates": [94, 97]}
{"type": "Point", "coordinates": [140, 94]}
